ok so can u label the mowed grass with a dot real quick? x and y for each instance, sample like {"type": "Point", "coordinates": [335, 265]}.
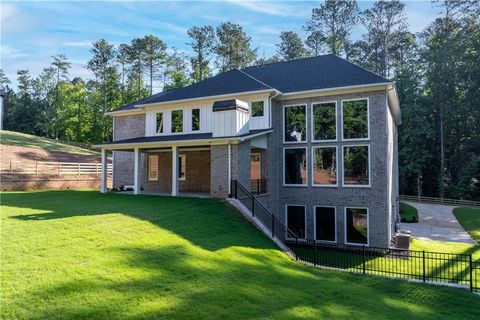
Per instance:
{"type": "Point", "coordinates": [407, 212]}
{"type": "Point", "coordinates": [86, 255]}
{"type": "Point", "coordinates": [469, 218]}
{"type": "Point", "coordinates": [31, 141]}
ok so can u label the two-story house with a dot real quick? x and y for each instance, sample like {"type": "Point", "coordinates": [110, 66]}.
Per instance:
{"type": "Point", "coordinates": [317, 137]}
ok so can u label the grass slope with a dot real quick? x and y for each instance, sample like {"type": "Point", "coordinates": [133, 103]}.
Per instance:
{"type": "Point", "coordinates": [408, 212]}
{"type": "Point", "coordinates": [469, 218]}
{"type": "Point", "coordinates": [27, 140]}
{"type": "Point", "coordinates": [85, 255]}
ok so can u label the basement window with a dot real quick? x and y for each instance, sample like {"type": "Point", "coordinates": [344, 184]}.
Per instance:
{"type": "Point", "coordinates": [296, 221]}
{"type": "Point", "coordinates": [356, 226]}
{"type": "Point", "coordinates": [325, 226]}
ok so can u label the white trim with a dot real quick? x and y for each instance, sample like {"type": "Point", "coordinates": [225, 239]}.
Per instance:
{"type": "Point", "coordinates": [315, 223]}
{"type": "Point", "coordinates": [304, 215]}
{"type": "Point", "coordinates": [306, 167]}
{"type": "Point", "coordinates": [368, 120]}
{"type": "Point", "coordinates": [369, 185]}
{"type": "Point", "coordinates": [150, 177]}
{"type": "Point", "coordinates": [175, 171]}
{"type": "Point", "coordinates": [345, 226]}
{"type": "Point", "coordinates": [233, 94]}
{"type": "Point", "coordinates": [312, 118]}
{"type": "Point", "coordinates": [288, 94]}
{"type": "Point", "coordinates": [136, 171]}
{"type": "Point", "coordinates": [182, 157]}
{"type": "Point", "coordinates": [103, 187]}
{"type": "Point", "coordinates": [283, 123]}
{"type": "Point", "coordinates": [336, 168]}
{"type": "Point", "coordinates": [220, 140]}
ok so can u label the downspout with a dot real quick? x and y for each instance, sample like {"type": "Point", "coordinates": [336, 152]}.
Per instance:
{"type": "Point", "coordinates": [229, 168]}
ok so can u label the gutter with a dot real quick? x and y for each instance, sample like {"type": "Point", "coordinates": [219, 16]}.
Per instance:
{"type": "Point", "coordinates": [288, 94]}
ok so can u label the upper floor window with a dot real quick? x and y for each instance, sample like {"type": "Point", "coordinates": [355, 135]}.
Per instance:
{"type": "Point", "coordinates": [257, 109]}
{"type": "Point", "coordinates": [324, 121]}
{"type": "Point", "coordinates": [356, 166]}
{"type": "Point", "coordinates": [295, 122]}
{"type": "Point", "coordinates": [159, 122]}
{"type": "Point", "coordinates": [177, 121]}
{"type": "Point", "coordinates": [195, 119]}
{"type": "Point", "coordinates": [355, 119]}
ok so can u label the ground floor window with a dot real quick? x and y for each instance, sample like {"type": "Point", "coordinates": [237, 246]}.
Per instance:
{"type": "Point", "coordinates": [295, 166]}
{"type": "Point", "coordinates": [356, 166]}
{"type": "Point", "coordinates": [153, 167]}
{"type": "Point", "coordinates": [325, 227]}
{"type": "Point", "coordinates": [296, 221]}
{"type": "Point", "coordinates": [356, 225]}
{"type": "Point", "coordinates": [324, 172]}
{"type": "Point", "coordinates": [182, 167]}
{"type": "Point", "coordinates": [255, 166]}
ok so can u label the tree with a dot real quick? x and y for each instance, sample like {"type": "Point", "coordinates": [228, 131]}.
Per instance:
{"type": "Point", "coordinates": [334, 19]}
{"type": "Point", "coordinates": [315, 41]}
{"type": "Point", "coordinates": [233, 48]}
{"type": "Point", "coordinates": [60, 67]}
{"type": "Point", "coordinates": [385, 23]}
{"type": "Point", "coordinates": [202, 42]}
{"type": "Point", "coordinates": [122, 59]}
{"type": "Point", "coordinates": [176, 72]}
{"type": "Point", "coordinates": [153, 56]}
{"type": "Point", "coordinates": [291, 46]}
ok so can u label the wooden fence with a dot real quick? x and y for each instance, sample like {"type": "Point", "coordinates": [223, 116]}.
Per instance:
{"type": "Point", "coordinates": [53, 168]}
{"type": "Point", "coordinates": [450, 202]}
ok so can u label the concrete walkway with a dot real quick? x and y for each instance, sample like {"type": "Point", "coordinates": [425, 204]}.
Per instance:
{"type": "Point", "coordinates": [436, 222]}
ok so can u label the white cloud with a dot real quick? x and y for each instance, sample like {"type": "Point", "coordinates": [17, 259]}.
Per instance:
{"type": "Point", "coordinates": [8, 52]}
{"type": "Point", "coordinates": [270, 8]}
{"type": "Point", "coordinates": [77, 43]}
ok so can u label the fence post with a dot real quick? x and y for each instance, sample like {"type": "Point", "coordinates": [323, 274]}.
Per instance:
{"type": "Point", "coordinates": [96, 171]}
{"type": "Point", "coordinates": [314, 253]}
{"type": "Point", "coordinates": [423, 259]}
{"type": "Point", "coordinates": [11, 167]}
{"type": "Point", "coordinates": [296, 247]}
{"type": "Point", "coordinates": [79, 169]}
{"type": "Point", "coordinates": [36, 167]}
{"type": "Point", "coordinates": [363, 259]}
{"type": "Point", "coordinates": [273, 226]}
{"type": "Point", "coordinates": [258, 186]}
{"type": "Point", "coordinates": [471, 273]}
{"type": "Point", "coordinates": [59, 168]}
{"type": "Point", "coordinates": [253, 205]}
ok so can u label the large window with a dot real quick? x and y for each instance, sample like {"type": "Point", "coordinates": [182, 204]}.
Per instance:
{"type": "Point", "coordinates": [177, 121]}
{"type": "Point", "coordinates": [257, 109]}
{"type": "Point", "coordinates": [159, 123]}
{"type": "Point", "coordinates": [182, 167]}
{"type": "Point", "coordinates": [355, 119]}
{"type": "Point", "coordinates": [195, 119]}
{"type": "Point", "coordinates": [295, 166]}
{"type": "Point", "coordinates": [324, 121]}
{"type": "Point", "coordinates": [325, 226]}
{"type": "Point", "coordinates": [153, 167]}
{"type": "Point", "coordinates": [295, 123]}
{"type": "Point", "coordinates": [356, 166]}
{"type": "Point", "coordinates": [296, 221]}
{"type": "Point", "coordinates": [324, 170]}
{"type": "Point", "coordinates": [356, 225]}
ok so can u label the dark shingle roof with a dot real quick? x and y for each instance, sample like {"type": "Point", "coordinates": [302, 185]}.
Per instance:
{"type": "Point", "coordinates": [321, 72]}
{"type": "Point", "coordinates": [232, 81]}
{"type": "Point", "coordinates": [181, 137]}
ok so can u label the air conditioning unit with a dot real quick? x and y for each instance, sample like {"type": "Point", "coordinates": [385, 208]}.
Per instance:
{"type": "Point", "coordinates": [402, 240]}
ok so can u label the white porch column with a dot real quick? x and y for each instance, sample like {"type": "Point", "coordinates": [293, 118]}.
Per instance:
{"type": "Point", "coordinates": [174, 171]}
{"type": "Point", "coordinates": [136, 171]}
{"type": "Point", "coordinates": [103, 188]}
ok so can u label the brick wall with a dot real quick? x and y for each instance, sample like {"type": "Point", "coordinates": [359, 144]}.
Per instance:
{"type": "Point", "coordinates": [17, 182]}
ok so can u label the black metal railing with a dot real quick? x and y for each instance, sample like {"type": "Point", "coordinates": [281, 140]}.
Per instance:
{"type": "Point", "coordinates": [425, 266]}
{"type": "Point", "coordinates": [258, 186]}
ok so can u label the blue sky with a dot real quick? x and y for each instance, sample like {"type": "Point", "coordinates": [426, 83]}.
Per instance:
{"type": "Point", "coordinates": [33, 31]}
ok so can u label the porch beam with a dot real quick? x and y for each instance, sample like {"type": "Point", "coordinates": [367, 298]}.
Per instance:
{"type": "Point", "coordinates": [174, 171]}
{"type": "Point", "coordinates": [103, 188]}
{"type": "Point", "coordinates": [136, 171]}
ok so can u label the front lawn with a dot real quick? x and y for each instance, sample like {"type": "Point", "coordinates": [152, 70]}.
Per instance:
{"type": "Point", "coordinates": [82, 254]}
{"type": "Point", "coordinates": [408, 213]}
{"type": "Point", "coordinates": [469, 218]}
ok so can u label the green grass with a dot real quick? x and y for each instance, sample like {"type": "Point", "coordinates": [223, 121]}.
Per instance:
{"type": "Point", "coordinates": [469, 218]}
{"type": "Point", "coordinates": [86, 255]}
{"type": "Point", "coordinates": [27, 140]}
{"type": "Point", "coordinates": [408, 212]}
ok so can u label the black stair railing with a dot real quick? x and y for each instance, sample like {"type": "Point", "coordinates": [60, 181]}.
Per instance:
{"type": "Point", "coordinates": [436, 267]}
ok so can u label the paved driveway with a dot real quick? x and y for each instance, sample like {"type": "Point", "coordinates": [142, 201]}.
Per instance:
{"type": "Point", "coordinates": [436, 222]}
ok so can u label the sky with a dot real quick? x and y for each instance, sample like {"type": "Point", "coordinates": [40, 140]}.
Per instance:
{"type": "Point", "coordinates": [33, 31]}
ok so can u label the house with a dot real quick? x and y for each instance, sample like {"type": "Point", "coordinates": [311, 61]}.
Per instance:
{"type": "Point", "coordinates": [315, 138]}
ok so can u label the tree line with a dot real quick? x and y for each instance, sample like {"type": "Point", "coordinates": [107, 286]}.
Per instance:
{"type": "Point", "coordinates": [437, 72]}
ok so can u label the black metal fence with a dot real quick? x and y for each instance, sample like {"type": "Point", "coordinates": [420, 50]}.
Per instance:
{"type": "Point", "coordinates": [258, 186]}
{"type": "Point", "coordinates": [425, 266]}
